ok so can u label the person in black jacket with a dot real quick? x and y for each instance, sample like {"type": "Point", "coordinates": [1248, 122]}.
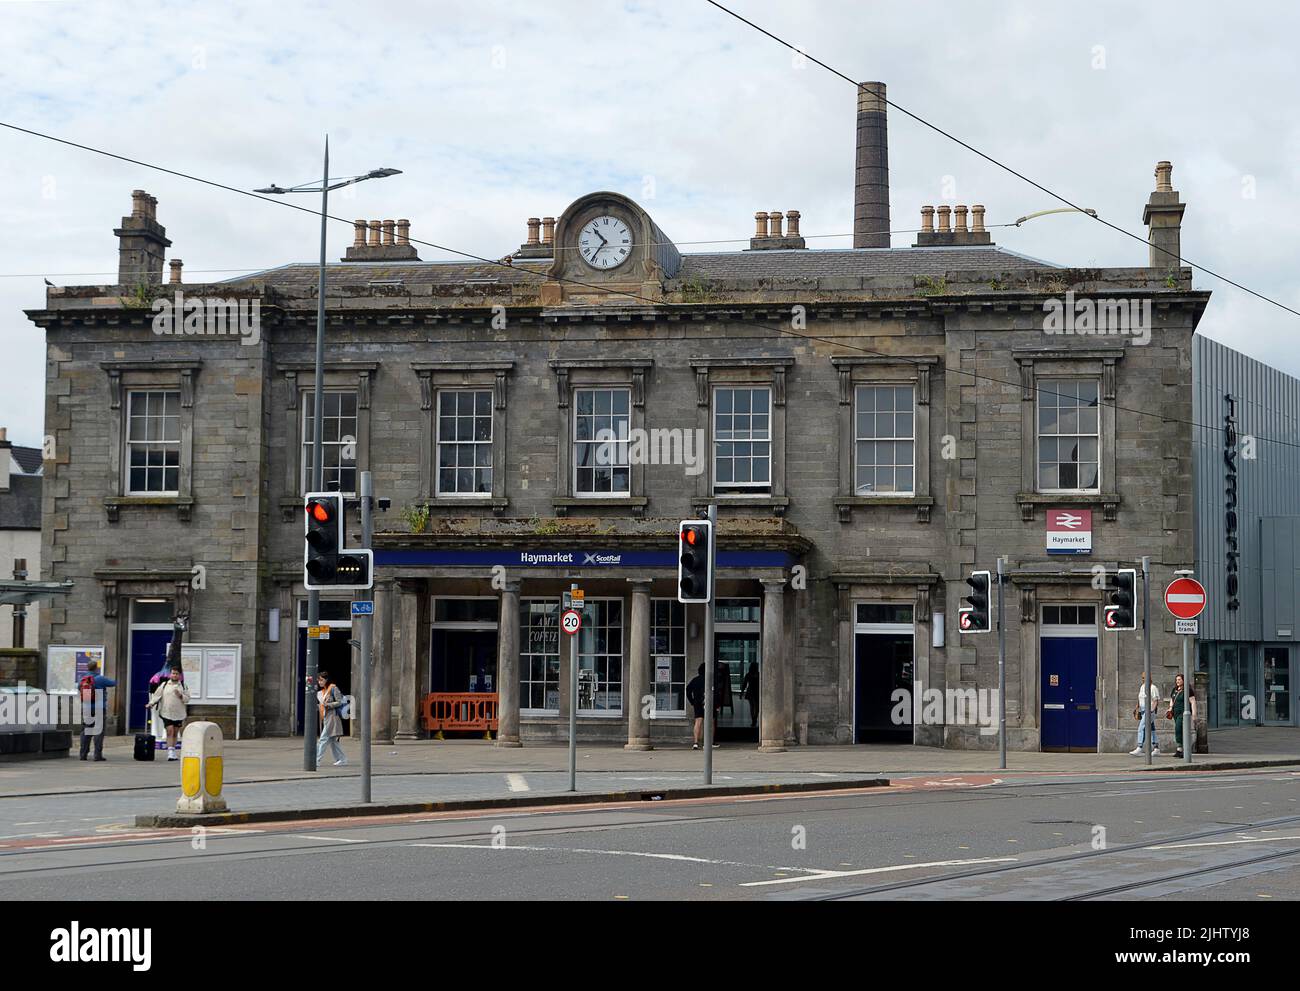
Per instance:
{"type": "Point", "coordinates": [695, 696]}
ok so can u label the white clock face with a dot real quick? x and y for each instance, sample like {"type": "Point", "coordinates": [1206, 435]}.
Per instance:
{"type": "Point", "coordinates": [605, 242]}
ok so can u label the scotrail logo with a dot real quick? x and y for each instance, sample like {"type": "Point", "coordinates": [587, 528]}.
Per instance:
{"type": "Point", "coordinates": [210, 317]}
{"type": "Point", "coordinates": [1106, 317]}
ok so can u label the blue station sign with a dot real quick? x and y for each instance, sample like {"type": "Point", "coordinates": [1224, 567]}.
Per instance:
{"type": "Point", "coordinates": [570, 558]}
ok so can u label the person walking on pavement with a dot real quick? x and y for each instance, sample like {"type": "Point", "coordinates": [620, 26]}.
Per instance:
{"type": "Point", "coordinates": [331, 722]}
{"type": "Point", "coordinates": [695, 696]}
{"type": "Point", "coordinates": [1145, 715]}
{"type": "Point", "coordinates": [171, 700]}
{"type": "Point", "coordinates": [749, 689]}
{"type": "Point", "coordinates": [94, 709]}
{"type": "Point", "coordinates": [1178, 706]}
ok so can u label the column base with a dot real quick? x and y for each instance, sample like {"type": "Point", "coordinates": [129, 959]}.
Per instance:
{"type": "Point", "coordinates": [770, 747]}
{"type": "Point", "coordinates": [510, 742]}
{"type": "Point", "coordinates": [638, 744]}
{"type": "Point", "coordinates": [406, 736]}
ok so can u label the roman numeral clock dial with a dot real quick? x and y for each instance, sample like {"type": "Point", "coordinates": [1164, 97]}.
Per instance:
{"type": "Point", "coordinates": [605, 243]}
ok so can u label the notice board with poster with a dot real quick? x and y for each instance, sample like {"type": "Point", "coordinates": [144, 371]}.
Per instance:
{"type": "Point", "coordinates": [212, 673]}
{"type": "Point", "coordinates": [66, 665]}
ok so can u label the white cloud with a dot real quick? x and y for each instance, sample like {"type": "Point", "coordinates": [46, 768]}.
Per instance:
{"type": "Point", "coordinates": [497, 111]}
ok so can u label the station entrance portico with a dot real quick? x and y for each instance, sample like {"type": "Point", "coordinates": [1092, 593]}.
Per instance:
{"type": "Point", "coordinates": [487, 623]}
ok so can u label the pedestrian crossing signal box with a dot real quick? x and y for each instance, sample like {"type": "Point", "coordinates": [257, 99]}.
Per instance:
{"type": "Point", "coordinates": [973, 617]}
{"type": "Point", "coordinates": [327, 564]}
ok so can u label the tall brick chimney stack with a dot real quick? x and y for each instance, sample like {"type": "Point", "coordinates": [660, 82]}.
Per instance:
{"type": "Point", "coordinates": [871, 184]}
{"type": "Point", "coordinates": [142, 243]}
{"type": "Point", "coordinates": [1163, 216]}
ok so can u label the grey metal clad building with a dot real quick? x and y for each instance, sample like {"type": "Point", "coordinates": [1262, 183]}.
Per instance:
{"type": "Point", "coordinates": [1247, 457]}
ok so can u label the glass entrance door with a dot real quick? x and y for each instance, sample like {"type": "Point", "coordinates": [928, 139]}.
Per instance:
{"type": "Point", "coordinates": [738, 693]}
{"type": "Point", "coordinates": [1275, 702]}
{"type": "Point", "coordinates": [1232, 685]}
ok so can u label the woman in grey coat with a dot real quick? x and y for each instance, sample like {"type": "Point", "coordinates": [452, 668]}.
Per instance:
{"type": "Point", "coordinates": [331, 701]}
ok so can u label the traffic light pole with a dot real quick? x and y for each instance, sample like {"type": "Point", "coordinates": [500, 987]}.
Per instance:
{"type": "Point", "coordinates": [309, 727]}
{"type": "Point", "coordinates": [366, 636]}
{"type": "Point", "coordinates": [1002, 667]}
{"type": "Point", "coordinates": [1147, 713]}
{"type": "Point", "coordinates": [573, 702]}
{"type": "Point", "coordinates": [709, 664]}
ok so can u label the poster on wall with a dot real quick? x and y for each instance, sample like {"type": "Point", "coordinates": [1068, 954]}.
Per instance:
{"type": "Point", "coordinates": [65, 666]}
{"type": "Point", "coordinates": [663, 669]}
{"type": "Point", "coordinates": [192, 667]}
{"type": "Point", "coordinates": [222, 673]}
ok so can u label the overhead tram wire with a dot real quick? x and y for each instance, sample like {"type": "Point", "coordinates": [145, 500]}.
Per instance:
{"type": "Point", "coordinates": [1007, 168]}
{"type": "Point", "coordinates": [905, 359]}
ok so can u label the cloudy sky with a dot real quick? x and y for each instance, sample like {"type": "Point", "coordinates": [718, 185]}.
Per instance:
{"type": "Point", "coordinates": [498, 110]}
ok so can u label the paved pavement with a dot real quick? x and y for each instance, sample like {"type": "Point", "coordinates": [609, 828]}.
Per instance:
{"type": "Point", "coordinates": [61, 798]}
{"type": "Point", "coordinates": [279, 759]}
{"type": "Point", "coordinates": [1161, 837]}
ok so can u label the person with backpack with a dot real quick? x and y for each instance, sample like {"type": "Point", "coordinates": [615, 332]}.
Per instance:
{"type": "Point", "coordinates": [158, 727]}
{"type": "Point", "coordinates": [332, 704]}
{"type": "Point", "coordinates": [94, 697]}
{"type": "Point", "coordinates": [170, 700]}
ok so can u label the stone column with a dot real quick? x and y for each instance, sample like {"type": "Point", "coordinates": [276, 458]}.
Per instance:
{"type": "Point", "coordinates": [772, 675]}
{"type": "Point", "coordinates": [381, 680]}
{"type": "Point", "coordinates": [408, 702]}
{"type": "Point", "coordinates": [508, 667]}
{"type": "Point", "coordinates": [636, 681]}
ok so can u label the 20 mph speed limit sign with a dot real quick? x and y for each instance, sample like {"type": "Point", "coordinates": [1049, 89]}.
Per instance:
{"type": "Point", "coordinates": [571, 622]}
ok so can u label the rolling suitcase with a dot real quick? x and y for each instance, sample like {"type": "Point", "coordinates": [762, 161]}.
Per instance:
{"type": "Point", "coordinates": [144, 746]}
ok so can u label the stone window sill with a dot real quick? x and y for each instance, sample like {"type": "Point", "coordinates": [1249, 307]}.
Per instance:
{"type": "Point", "coordinates": [846, 505]}
{"type": "Point", "coordinates": [182, 504]}
{"type": "Point", "coordinates": [776, 505]}
{"type": "Point", "coordinates": [1108, 501]}
{"type": "Point", "coordinates": [568, 505]}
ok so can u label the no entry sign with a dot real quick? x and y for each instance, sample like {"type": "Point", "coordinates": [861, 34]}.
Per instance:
{"type": "Point", "coordinates": [1185, 598]}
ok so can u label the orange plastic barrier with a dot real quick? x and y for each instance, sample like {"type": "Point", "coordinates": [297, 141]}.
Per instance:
{"type": "Point", "coordinates": [459, 711]}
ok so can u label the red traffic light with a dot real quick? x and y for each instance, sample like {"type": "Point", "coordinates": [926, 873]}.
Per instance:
{"type": "Point", "coordinates": [690, 535]}
{"type": "Point", "coordinates": [319, 511]}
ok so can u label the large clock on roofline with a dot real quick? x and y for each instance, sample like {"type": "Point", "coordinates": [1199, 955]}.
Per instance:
{"type": "Point", "coordinates": [605, 242]}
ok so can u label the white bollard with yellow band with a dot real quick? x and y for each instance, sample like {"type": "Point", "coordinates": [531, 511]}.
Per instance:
{"type": "Point", "coordinates": [201, 769]}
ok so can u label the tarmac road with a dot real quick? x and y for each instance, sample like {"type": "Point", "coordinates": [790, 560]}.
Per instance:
{"type": "Point", "coordinates": [1172, 836]}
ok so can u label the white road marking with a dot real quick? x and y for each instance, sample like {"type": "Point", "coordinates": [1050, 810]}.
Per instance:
{"type": "Point", "coordinates": [833, 875]}
{"type": "Point", "coordinates": [618, 853]}
{"type": "Point", "coordinates": [326, 839]}
{"type": "Point", "coordinates": [516, 782]}
{"type": "Point", "coordinates": [1243, 839]}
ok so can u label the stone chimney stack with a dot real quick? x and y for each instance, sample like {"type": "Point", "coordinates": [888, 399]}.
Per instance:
{"type": "Point", "coordinates": [176, 266]}
{"type": "Point", "coordinates": [381, 241]}
{"type": "Point", "coordinates": [955, 234]}
{"type": "Point", "coordinates": [142, 243]}
{"type": "Point", "coordinates": [871, 184]}
{"type": "Point", "coordinates": [772, 234]}
{"type": "Point", "coordinates": [1163, 216]}
{"type": "Point", "coordinates": [534, 247]}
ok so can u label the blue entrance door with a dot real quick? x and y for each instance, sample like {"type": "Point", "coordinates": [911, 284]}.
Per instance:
{"type": "Point", "coordinates": [1069, 692]}
{"type": "Point", "coordinates": [148, 652]}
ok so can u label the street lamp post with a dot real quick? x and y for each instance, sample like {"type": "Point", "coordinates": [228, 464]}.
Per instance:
{"type": "Point", "coordinates": [309, 727]}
